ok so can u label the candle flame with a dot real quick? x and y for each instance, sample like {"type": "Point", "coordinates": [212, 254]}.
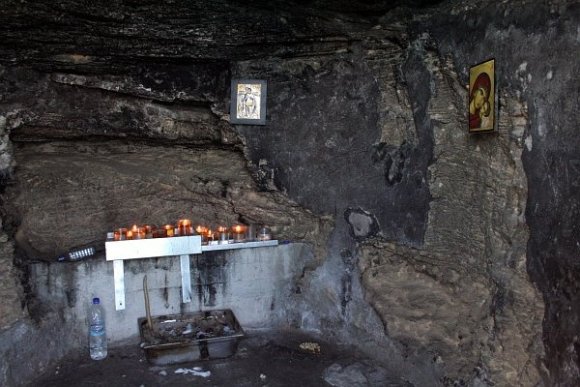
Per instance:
{"type": "Point", "coordinates": [184, 222]}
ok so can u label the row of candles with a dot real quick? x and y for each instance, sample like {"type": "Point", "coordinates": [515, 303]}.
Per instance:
{"type": "Point", "coordinates": [184, 227]}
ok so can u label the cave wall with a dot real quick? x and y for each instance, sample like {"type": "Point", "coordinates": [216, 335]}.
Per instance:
{"type": "Point", "coordinates": [536, 49]}
{"type": "Point", "coordinates": [449, 255]}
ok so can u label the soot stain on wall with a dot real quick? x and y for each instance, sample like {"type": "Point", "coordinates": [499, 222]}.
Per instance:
{"type": "Point", "coordinates": [210, 273]}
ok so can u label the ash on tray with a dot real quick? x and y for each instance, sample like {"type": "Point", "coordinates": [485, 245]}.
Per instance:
{"type": "Point", "coordinates": [187, 328]}
{"type": "Point", "coordinates": [190, 337]}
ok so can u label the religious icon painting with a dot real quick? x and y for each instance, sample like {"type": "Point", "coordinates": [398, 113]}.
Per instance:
{"type": "Point", "coordinates": [483, 104]}
{"type": "Point", "coordinates": [248, 103]}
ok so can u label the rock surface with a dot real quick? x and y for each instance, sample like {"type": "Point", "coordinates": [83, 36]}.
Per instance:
{"type": "Point", "coordinates": [441, 250]}
{"type": "Point", "coordinates": [11, 290]}
{"type": "Point", "coordinates": [465, 294]}
{"type": "Point", "coordinates": [538, 73]}
{"type": "Point", "coordinates": [75, 194]}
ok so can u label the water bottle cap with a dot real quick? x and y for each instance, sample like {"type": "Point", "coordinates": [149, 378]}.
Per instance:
{"type": "Point", "coordinates": [96, 301]}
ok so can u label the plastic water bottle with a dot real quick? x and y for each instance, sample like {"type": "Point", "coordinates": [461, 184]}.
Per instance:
{"type": "Point", "coordinates": [97, 332]}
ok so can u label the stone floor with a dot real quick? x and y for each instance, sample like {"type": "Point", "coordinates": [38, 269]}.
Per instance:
{"type": "Point", "coordinates": [262, 359]}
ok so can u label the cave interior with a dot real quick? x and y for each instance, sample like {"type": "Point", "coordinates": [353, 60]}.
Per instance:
{"type": "Point", "coordinates": [444, 256]}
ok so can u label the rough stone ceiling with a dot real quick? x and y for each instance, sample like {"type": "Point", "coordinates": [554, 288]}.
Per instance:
{"type": "Point", "coordinates": [34, 31]}
{"type": "Point", "coordinates": [362, 7]}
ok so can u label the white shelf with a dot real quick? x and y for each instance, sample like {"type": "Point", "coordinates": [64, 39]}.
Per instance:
{"type": "Point", "coordinates": [238, 245]}
{"type": "Point", "coordinates": [151, 248]}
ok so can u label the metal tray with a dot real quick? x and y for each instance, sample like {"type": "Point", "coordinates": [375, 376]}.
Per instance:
{"type": "Point", "coordinates": [189, 337]}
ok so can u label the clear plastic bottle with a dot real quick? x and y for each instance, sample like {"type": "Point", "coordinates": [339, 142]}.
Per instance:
{"type": "Point", "coordinates": [97, 331]}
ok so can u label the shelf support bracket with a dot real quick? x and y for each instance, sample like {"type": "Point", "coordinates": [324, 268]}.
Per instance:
{"type": "Point", "coordinates": [119, 278]}
{"type": "Point", "coordinates": [185, 278]}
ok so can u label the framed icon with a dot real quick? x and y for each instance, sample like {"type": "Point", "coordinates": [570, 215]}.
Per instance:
{"type": "Point", "coordinates": [248, 103]}
{"type": "Point", "coordinates": [482, 107]}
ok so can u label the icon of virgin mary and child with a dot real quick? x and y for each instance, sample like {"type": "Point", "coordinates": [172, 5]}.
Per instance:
{"type": "Point", "coordinates": [480, 107]}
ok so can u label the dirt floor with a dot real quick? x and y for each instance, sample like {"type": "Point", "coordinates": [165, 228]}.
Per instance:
{"type": "Point", "coordinates": [262, 359]}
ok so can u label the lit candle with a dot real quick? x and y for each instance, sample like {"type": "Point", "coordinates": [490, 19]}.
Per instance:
{"type": "Point", "coordinates": [223, 234]}
{"type": "Point", "coordinates": [139, 234]}
{"type": "Point", "coordinates": [168, 230]}
{"type": "Point", "coordinates": [215, 238]}
{"type": "Point", "coordinates": [239, 233]}
{"type": "Point", "coordinates": [184, 226]}
{"type": "Point", "coordinates": [130, 234]}
{"type": "Point", "coordinates": [121, 234]}
{"type": "Point", "coordinates": [202, 230]}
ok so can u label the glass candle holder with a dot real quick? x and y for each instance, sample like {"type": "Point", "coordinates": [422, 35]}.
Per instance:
{"type": "Point", "coordinates": [148, 231]}
{"type": "Point", "coordinates": [264, 234]}
{"type": "Point", "coordinates": [159, 232]}
{"type": "Point", "coordinates": [202, 231]}
{"type": "Point", "coordinates": [120, 234]}
{"type": "Point", "coordinates": [251, 233]}
{"type": "Point", "coordinates": [185, 227]}
{"type": "Point", "coordinates": [169, 231]}
{"type": "Point", "coordinates": [239, 232]}
{"type": "Point", "coordinates": [222, 235]}
{"type": "Point", "coordinates": [140, 233]}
